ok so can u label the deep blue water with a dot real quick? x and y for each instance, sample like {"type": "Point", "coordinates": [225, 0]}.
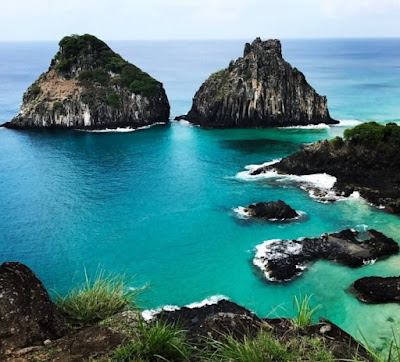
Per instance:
{"type": "Point", "coordinates": [158, 203]}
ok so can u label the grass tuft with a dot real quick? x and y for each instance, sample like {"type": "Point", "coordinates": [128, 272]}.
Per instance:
{"type": "Point", "coordinates": [156, 341]}
{"type": "Point", "coordinates": [304, 311]}
{"type": "Point", "coordinates": [97, 298]}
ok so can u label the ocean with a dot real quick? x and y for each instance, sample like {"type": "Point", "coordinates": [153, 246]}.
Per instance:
{"type": "Point", "coordinates": [159, 204]}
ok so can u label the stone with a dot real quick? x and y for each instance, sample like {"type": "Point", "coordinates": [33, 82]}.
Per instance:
{"type": "Point", "coordinates": [273, 210]}
{"type": "Point", "coordinates": [377, 289]}
{"type": "Point", "coordinates": [88, 86]}
{"type": "Point", "coordinates": [281, 260]}
{"type": "Point", "coordinates": [27, 314]}
{"type": "Point", "coordinates": [257, 90]}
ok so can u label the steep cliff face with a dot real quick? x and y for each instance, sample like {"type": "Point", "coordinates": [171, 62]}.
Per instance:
{"type": "Point", "coordinates": [89, 86]}
{"type": "Point", "coordinates": [259, 89]}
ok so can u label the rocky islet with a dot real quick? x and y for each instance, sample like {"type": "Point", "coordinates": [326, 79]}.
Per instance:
{"type": "Point", "coordinates": [89, 86]}
{"type": "Point", "coordinates": [258, 90]}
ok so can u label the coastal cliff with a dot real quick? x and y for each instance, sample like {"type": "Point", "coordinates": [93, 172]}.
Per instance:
{"type": "Point", "coordinates": [259, 89]}
{"type": "Point", "coordinates": [89, 86]}
{"type": "Point", "coordinates": [367, 161]}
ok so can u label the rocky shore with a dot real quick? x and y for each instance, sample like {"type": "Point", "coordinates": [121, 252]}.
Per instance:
{"type": "Point", "coordinates": [33, 329]}
{"type": "Point", "coordinates": [258, 90]}
{"type": "Point", "coordinates": [88, 86]}
{"type": "Point", "coordinates": [281, 260]}
{"type": "Point", "coordinates": [368, 161]}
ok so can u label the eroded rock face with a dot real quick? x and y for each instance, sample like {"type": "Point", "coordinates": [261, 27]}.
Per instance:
{"type": "Point", "coordinates": [89, 86]}
{"type": "Point", "coordinates": [357, 167]}
{"type": "Point", "coordinates": [259, 89]}
{"type": "Point", "coordinates": [27, 315]}
{"type": "Point", "coordinates": [281, 260]}
{"type": "Point", "coordinates": [377, 289]}
{"type": "Point", "coordinates": [273, 210]}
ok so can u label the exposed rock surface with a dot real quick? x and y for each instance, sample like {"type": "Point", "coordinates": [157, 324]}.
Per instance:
{"type": "Point", "coordinates": [377, 289]}
{"type": "Point", "coordinates": [281, 260]}
{"type": "Point", "coordinates": [89, 86]}
{"type": "Point", "coordinates": [370, 167]}
{"type": "Point", "coordinates": [273, 210]}
{"type": "Point", "coordinates": [27, 315]}
{"type": "Point", "coordinates": [259, 89]}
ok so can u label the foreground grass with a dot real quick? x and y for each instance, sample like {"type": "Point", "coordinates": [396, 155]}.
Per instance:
{"type": "Point", "coordinates": [304, 311]}
{"type": "Point", "coordinates": [96, 299]}
{"type": "Point", "coordinates": [155, 342]}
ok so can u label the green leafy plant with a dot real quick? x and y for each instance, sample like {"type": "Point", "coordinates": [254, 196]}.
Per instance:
{"type": "Point", "coordinates": [304, 311]}
{"type": "Point", "coordinates": [155, 341]}
{"type": "Point", "coordinates": [57, 105]}
{"type": "Point", "coordinates": [97, 298]}
{"type": "Point", "coordinates": [263, 347]}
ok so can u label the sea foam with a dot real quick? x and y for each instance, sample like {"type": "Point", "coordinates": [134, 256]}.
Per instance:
{"type": "Point", "coordinates": [347, 123]}
{"type": "Point", "coordinates": [275, 250]}
{"type": "Point", "coordinates": [120, 129]}
{"type": "Point", "coordinates": [309, 126]}
{"type": "Point", "coordinates": [149, 314]}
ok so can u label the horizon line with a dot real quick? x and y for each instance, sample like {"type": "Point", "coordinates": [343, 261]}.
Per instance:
{"type": "Point", "coordinates": [207, 39]}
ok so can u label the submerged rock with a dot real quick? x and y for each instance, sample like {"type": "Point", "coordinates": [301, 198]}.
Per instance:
{"type": "Point", "coordinates": [89, 86]}
{"type": "Point", "coordinates": [281, 260]}
{"type": "Point", "coordinates": [259, 89]}
{"type": "Point", "coordinates": [377, 289]}
{"type": "Point", "coordinates": [27, 315]}
{"type": "Point", "coordinates": [273, 210]}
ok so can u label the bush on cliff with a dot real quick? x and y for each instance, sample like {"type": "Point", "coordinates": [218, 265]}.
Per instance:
{"type": "Point", "coordinates": [372, 133]}
{"type": "Point", "coordinates": [97, 299]}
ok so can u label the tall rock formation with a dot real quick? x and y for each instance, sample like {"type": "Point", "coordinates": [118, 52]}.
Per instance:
{"type": "Point", "coordinates": [259, 89]}
{"type": "Point", "coordinates": [89, 86]}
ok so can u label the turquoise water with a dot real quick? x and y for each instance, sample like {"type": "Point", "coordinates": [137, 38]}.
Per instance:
{"type": "Point", "coordinates": [158, 203]}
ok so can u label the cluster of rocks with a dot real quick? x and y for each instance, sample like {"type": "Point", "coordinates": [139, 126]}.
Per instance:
{"type": "Point", "coordinates": [281, 260]}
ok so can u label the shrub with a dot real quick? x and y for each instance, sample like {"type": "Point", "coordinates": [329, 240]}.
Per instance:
{"type": "Point", "coordinates": [35, 90]}
{"type": "Point", "coordinates": [112, 99]}
{"type": "Point", "coordinates": [304, 311]}
{"type": "Point", "coordinates": [97, 75]}
{"type": "Point", "coordinates": [158, 340]}
{"type": "Point", "coordinates": [97, 299]}
{"type": "Point", "coordinates": [57, 105]}
{"type": "Point", "coordinates": [337, 142]}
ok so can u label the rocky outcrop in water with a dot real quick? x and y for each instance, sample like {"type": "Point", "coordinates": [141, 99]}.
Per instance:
{"type": "Point", "coordinates": [89, 86]}
{"type": "Point", "coordinates": [377, 289]}
{"type": "Point", "coordinates": [259, 89]}
{"type": "Point", "coordinates": [281, 260]}
{"type": "Point", "coordinates": [273, 210]}
{"type": "Point", "coordinates": [27, 315]}
{"type": "Point", "coordinates": [368, 161]}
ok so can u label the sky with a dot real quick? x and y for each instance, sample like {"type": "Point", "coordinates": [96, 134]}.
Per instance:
{"type": "Point", "coordinates": [198, 19]}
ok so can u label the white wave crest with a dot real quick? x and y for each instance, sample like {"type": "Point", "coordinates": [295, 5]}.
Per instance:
{"type": "Point", "coordinates": [369, 261]}
{"type": "Point", "coordinates": [275, 249]}
{"type": "Point", "coordinates": [246, 175]}
{"type": "Point", "coordinates": [309, 126]}
{"type": "Point", "coordinates": [241, 212]}
{"type": "Point", "coordinates": [347, 123]}
{"type": "Point", "coordinates": [184, 122]}
{"type": "Point", "coordinates": [120, 129]}
{"type": "Point", "coordinates": [149, 314]}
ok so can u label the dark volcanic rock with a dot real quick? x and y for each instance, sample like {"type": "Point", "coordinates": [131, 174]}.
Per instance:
{"type": "Point", "coordinates": [281, 260]}
{"type": "Point", "coordinates": [358, 167]}
{"type": "Point", "coordinates": [27, 315]}
{"type": "Point", "coordinates": [272, 210]}
{"type": "Point", "coordinates": [377, 289]}
{"type": "Point", "coordinates": [89, 86]}
{"type": "Point", "coordinates": [224, 316]}
{"type": "Point", "coordinates": [259, 89]}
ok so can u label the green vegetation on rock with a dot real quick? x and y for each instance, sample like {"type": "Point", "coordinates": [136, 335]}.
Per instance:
{"type": "Point", "coordinates": [101, 66]}
{"type": "Point", "coordinates": [372, 133]}
{"type": "Point", "coordinates": [97, 298]}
